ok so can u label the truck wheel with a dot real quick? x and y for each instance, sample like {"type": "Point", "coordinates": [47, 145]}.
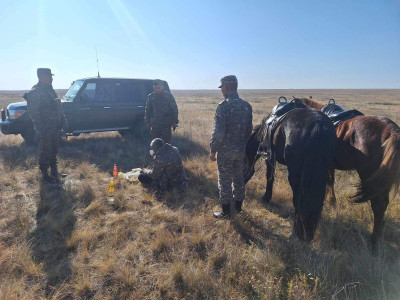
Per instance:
{"type": "Point", "coordinates": [29, 135]}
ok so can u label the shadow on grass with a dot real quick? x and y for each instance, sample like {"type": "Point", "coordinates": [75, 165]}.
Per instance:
{"type": "Point", "coordinates": [55, 222]}
{"type": "Point", "coordinates": [14, 156]}
{"type": "Point", "coordinates": [199, 188]}
{"type": "Point", "coordinates": [187, 147]}
{"type": "Point", "coordinates": [126, 152]}
{"type": "Point", "coordinates": [104, 150]}
{"type": "Point", "coordinates": [344, 251]}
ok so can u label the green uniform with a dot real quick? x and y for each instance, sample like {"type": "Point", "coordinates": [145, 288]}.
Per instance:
{"type": "Point", "coordinates": [48, 119]}
{"type": "Point", "coordinates": [232, 129]}
{"type": "Point", "coordinates": [168, 172]}
{"type": "Point", "coordinates": [160, 113]}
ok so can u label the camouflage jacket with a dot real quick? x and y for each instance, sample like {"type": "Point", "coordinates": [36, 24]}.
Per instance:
{"type": "Point", "coordinates": [45, 109]}
{"type": "Point", "coordinates": [167, 167]}
{"type": "Point", "coordinates": [232, 124]}
{"type": "Point", "coordinates": [161, 110]}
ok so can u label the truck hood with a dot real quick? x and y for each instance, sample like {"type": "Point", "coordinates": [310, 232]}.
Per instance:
{"type": "Point", "coordinates": [17, 105]}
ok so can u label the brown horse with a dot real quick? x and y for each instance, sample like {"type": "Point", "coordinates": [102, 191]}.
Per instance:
{"type": "Point", "coordinates": [371, 146]}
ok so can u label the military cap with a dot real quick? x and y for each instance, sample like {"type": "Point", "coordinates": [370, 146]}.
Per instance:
{"type": "Point", "coordinates": [228, 79]}
{"type": "Point", "coordinates": [158, 82]}
{"type": "Point", "coordinates": [156, 143]}
{"type": "Point", "coordinates": [43, 71]}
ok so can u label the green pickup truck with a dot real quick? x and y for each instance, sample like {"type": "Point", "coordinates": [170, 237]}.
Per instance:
{"type": "Point", "coordinates": [90, 105]}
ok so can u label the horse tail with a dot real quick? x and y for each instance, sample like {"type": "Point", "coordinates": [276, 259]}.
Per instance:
{"type": "Point", "coordinates": [318, 159]}
{"type": "Point", "coordinates": [388, 174]}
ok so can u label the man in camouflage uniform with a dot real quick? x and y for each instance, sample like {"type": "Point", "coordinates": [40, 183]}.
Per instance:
{"type": "Point", "coordinates": [232, 129]}
{"type": "Point", "coordinates": [45, 110]}
{"type": "Point", "coordinates": [161, 112]}
{"type": "Point", "coordinates": [168, 172]}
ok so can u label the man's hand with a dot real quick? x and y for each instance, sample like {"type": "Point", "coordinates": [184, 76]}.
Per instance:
{"type": "Point", "coordinates": [212, 156]}
{"type": "Point", "coordinates": [148, 126]}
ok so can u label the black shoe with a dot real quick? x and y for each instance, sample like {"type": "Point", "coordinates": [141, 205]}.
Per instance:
{"type": "Point", "coordinates": [238, 206]}
{"type": "Point", "coordinates": [226, 211]}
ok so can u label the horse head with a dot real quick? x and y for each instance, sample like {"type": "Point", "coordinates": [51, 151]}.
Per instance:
{"type": "Point", "coordinates": [308, 102]}
{"type": "Point", "coordinates": [251, 153]}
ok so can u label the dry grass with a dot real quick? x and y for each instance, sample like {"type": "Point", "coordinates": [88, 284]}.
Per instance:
{"type": "Point", "coordinates": [70, 243]}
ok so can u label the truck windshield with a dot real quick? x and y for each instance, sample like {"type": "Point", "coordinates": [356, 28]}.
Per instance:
{"type": "Point", "coordinates": [73, 90]}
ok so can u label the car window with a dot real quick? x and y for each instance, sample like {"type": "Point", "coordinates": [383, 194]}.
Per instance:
{"type": "Point", "coordinates": [131, 92]}
{"type": "Point", "coordinates": [89, 92]}
{"type": "Point", "coordinates": [139, 93]}
{"type": "Point", "coordinates": [123, 92]}
{"type": "Point", "coordinates": [149, 88]}
{"type": "Point", "coordinates": [73, 90]}
{"type": "Point", "coordinates": [97, 92]}
{"type": "Point", "coordinates": [104, 92]}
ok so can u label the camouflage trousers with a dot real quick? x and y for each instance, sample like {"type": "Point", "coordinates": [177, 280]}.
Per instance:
{"type": "Point", "coordinates": [162, 184]}
{"type": "Point", "coordinates": [230, 174]}
{"type": "Point", "coordinates": [163, 132]}
{"type": "Point", "coordinates": [48, 144]}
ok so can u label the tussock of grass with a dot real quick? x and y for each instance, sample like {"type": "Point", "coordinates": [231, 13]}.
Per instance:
{"type": "Point", "coordinates": [70, 242]}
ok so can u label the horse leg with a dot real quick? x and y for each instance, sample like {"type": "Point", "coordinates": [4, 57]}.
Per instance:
{"type": "Point", "coordinates": [378, 206]}
{"type": "Point", "coordinates": [270, 180]}
{"type": "Point", "coordinates": [330, 185]}
{"type": "Point", "coordinates": [298, 226]}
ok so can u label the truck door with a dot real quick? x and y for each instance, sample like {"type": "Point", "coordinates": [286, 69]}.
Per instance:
{"type": "Point", "coordinates": [94, 110]}
{"type": "Point", "coordinates": [130, 100]}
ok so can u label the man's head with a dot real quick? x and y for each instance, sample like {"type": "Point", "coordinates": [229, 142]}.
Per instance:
{"type": "Point", "coordinates": [45, 76]}
{"type": "Point", "coordinates": [158, 86]}
{"type": "Point", "coordinates": [228, 84]}
{"type": "Point", "coordinates": [155, 145]}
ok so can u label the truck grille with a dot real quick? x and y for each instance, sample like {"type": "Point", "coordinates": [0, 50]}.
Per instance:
{"type": "Point", "coordinates": [3, 115]}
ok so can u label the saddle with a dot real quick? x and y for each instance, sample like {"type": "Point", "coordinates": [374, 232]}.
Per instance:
{"type": "Point", "coordinates": [337, 114]}
{"type": "Point", "coordinates": [279, 112]}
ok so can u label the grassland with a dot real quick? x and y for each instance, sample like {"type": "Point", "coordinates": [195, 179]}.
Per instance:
{"type": "Point", "coordinates": [69, 243]}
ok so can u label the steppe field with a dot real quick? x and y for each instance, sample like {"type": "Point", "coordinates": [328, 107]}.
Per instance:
{"type": "Point", "coordinates": [69, 242]}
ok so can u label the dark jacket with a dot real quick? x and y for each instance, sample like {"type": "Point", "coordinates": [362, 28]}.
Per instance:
{"type": "Point", "coordinates": [168, 168]}
{"type": "Point", "coordinates": [45, 109]}
{"type": "Point", "coordinates": [232, 124]}
{"type": "Point", "coordinates": [161, 110]}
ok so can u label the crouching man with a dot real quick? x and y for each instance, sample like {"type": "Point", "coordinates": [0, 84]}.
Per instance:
{"type": "Point", "coordinates": [168, 172]}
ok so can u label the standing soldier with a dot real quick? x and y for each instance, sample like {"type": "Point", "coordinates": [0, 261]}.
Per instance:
{"type": "Point", "coordinates": [161, 112]}
{"type": "Point", "coordinates": [232, 129]}
{"type": "Point", "coordinates": [48, 119]}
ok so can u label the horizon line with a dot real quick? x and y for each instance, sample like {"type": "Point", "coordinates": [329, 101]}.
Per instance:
{"type": "Point", "coordinates": [249, 89]}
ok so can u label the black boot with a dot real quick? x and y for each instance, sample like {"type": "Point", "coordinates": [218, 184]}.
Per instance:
{"type": "Point", "coordinates": [45, 175]}
{"type": "Point", "coordinates": [226, 211]}
{"type": "Point", "coordinates": [238, 206]}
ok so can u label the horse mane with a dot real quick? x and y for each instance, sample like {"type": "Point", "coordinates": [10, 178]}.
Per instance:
{"type": "Point", "coordinates": [311, 103]}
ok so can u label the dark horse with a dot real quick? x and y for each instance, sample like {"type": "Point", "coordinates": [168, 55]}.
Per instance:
{"type": "Point", "coordinates": [305, 142]}
{"type": "Point", "coordinates": [371, 146]}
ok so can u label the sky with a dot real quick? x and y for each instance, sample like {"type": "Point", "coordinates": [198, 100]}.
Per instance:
{"type": "Point", "coordinates": [192, 44]}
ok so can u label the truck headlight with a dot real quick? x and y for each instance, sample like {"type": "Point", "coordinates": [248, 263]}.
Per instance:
{"type": "Point", "coordinates": [13, 114]}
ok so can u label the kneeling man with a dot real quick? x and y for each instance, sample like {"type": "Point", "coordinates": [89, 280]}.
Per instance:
{"type": "Point", "coordinates": [168, 172]}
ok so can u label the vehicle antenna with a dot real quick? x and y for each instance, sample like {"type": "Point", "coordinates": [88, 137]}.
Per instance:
{"type": "Point", "coordinates": [97, 59]}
